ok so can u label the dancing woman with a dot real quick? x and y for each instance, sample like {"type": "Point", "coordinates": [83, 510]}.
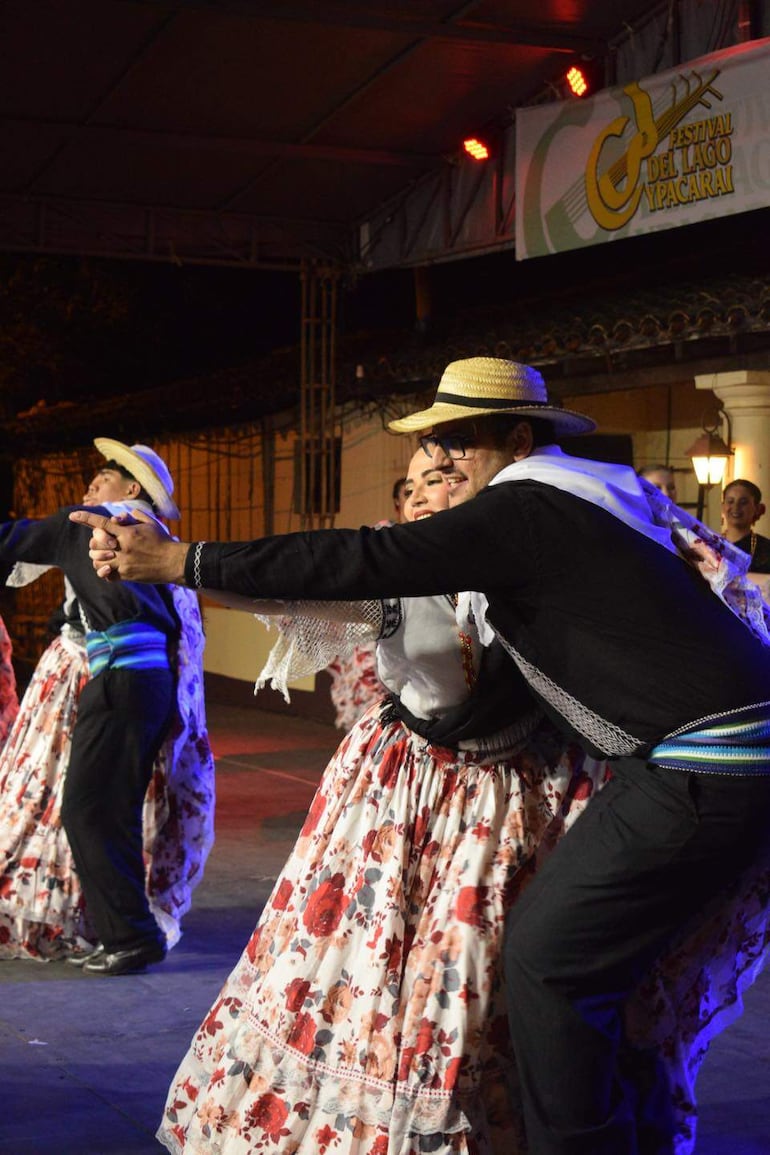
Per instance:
{"type": "Point", "coordinates": [366, 1014]}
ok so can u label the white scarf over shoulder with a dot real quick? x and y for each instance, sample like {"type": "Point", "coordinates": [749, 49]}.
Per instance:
{"type": "Point", "coordinates": [637, 503]}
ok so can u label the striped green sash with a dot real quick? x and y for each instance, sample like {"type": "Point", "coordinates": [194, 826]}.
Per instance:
{"type": "Point", "coordinates": [127, 646]}
{"type": "Point", "coordinates": [736, 743]}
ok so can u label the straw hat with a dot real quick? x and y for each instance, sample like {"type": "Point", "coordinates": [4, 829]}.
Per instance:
{"type": "Point", "coordinates": [146, 467]}
{"type": "Point", "coordinates": [482, 386]}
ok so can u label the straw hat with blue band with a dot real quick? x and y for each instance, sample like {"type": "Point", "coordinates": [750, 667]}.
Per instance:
{"type": "Point", "coordinates": [483, 386]}
{"type": "Point", "coordinates": [146, 467]}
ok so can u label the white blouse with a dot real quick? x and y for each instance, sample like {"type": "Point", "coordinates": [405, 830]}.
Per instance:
{"type": "Point", "coordinates": [423, 660]}
{"type": "Point", "coordinates": [421, 654]}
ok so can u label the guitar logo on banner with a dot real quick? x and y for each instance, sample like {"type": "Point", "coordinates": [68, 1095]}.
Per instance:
{"type": "Point", "coordinates": [675, 149]}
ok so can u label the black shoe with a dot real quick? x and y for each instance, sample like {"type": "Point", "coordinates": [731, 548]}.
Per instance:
{"type": "Point", "coordinates": [79, 958]}
{"type": "Point", "coordinates": [125, 962]}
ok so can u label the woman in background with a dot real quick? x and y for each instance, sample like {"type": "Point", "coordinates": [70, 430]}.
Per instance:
{"type": "Point", "coordinates": [742, 506]}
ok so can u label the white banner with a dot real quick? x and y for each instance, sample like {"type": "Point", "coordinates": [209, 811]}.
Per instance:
{"type": "Point", "coordinates": [676, 148]}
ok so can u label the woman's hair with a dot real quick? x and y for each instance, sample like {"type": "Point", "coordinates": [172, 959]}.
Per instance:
{"type": "Point", "coordinates": [143, 495]}
{"type": "Point", "coordinates": [753, 489]}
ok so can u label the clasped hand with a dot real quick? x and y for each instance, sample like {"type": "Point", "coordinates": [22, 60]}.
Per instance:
{"type": "Point", "coordinates": [132, 547]}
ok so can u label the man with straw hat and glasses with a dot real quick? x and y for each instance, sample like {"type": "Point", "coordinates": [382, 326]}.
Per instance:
{"type": "Point", "coordinates": [124, 709]}
{"type": "Point", "coordinates": [589, 578]}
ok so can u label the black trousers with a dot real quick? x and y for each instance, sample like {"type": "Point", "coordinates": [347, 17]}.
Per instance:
{"type": "Point", "coordinates": [123, 716]}
{"type": "Point", "coordinates": [650, 850]}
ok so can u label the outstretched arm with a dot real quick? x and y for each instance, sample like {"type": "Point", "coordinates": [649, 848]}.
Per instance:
{"type": "Point", "coordinates": [475, 546]}
{"type": "Point", "coordinates": [138, 550]}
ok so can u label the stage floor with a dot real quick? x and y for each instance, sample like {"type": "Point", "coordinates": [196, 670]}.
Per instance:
{"type": "Point", "coordinates": [85, 1062]}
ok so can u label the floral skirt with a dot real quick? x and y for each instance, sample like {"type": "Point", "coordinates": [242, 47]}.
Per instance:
{"type": "Point", "coordinates": [366, 1015]}
{"type": "Point", "coordinates": [696, 990]}
{"type": "Point", "coordinates": [42, 911]}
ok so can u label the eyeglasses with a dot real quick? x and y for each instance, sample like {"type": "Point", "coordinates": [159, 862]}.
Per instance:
{"type": "Point", "coordinates": [454, 445]}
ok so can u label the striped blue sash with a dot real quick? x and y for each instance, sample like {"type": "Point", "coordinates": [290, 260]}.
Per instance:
{"type": "Point", "coordinates": [127, 646]}
{"type": "Point", "coordinates": [736, 743]}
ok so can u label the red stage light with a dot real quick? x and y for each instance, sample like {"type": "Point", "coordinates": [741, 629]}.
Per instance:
{"type": "Point", "coordinates": [585, 78]}
{"type": "Point", "coordinates": [576, 81]}
{"type": "Point", "coordinates": [476, 148]}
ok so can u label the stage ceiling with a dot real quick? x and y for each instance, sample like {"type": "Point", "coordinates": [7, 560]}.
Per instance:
{"type": "Point", "coordinates": [256, 134]}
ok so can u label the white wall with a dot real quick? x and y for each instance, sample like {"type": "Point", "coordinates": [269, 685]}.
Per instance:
{"type": "Point", "coordinates": [237, 645]}
{"type": "Point", "coordinates": [372, 460]}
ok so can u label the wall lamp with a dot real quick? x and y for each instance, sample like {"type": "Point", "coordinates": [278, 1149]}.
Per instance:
{"type": "Point", "coordinates": [710, 454]}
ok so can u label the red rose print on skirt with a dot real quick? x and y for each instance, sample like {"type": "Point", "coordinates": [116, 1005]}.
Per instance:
{"type": "Point", "coordinates": [296, 993]}
{"type": "Point", "coordinates": [302, 1034]}
{"type": "Point", "coordinates": [269, 1114]}
{"type": "Point", "coordinates": [325, 907]}
{"type": "Point", "coordinates": [317, 807]}
{"type": "Point", "coordinates": [470, 905]}
{"type": "Point", "coordinates": [283, 894]}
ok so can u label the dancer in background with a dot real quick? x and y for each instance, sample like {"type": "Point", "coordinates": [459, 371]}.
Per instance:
{"type": "Point", "coordinates": [43, 914]}
{"type": "Point", "coordinates": [355, 685]}
{"type": "Point", "coordinates": [399, 497]}
{"type": "Point", "coordinates": [742, 506]}
{"type": "Point", "coordinates": [9, 700]}
{"type": "Point", "coordinates": [662, 477]}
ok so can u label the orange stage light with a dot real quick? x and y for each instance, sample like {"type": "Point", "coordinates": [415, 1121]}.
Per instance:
{"type": "Point", "coordinates": [585, 78]}
{"type": "Point", "coordinates": [476, 148]}
{"type": "Point", "coordinates": [576, 81]}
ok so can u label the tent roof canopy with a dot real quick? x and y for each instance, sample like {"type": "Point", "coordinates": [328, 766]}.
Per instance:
{"type": "Point", "coordinates": [256, 133]}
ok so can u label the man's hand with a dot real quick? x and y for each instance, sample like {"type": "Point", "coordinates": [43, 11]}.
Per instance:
{"type": "Point", "coordinates": [138, 551]}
